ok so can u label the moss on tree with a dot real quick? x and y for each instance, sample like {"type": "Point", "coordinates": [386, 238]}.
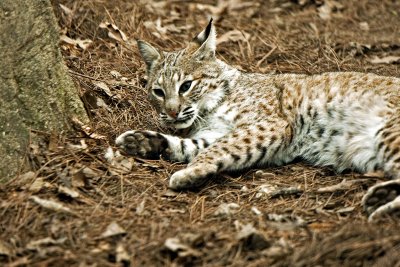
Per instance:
{"type": "Point", "coordinates": [35, 89]}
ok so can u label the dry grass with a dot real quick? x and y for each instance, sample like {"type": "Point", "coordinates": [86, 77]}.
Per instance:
{"type": "Point", "coordinates": [284, 36]}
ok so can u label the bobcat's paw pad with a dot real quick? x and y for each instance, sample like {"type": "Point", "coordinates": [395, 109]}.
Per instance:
{"type": "Point", "coordinates": [145, 144]}
{"type": "Point", "coordinates": [383, 199]}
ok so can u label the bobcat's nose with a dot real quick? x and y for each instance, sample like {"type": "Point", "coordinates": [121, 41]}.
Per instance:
{"type": "Point", "coordinates": [172, 107]}
{"type": "Point", "coordinates": [173, 113]}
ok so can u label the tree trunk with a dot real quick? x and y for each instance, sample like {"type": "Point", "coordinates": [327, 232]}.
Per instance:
{"type": "Point", "coordinates": [35, 89]}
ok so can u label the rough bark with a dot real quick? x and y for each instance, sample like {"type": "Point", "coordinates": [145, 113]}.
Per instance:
{"type": "Point", "coordinates": [35, 89]}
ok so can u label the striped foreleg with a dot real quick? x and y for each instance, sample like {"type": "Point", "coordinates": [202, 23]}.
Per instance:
{"type": "Point", "coordinates": [152, 145]}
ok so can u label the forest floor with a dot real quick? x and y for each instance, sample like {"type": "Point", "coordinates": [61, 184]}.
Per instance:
{"type": "Point", "coordinates": [78, 207]}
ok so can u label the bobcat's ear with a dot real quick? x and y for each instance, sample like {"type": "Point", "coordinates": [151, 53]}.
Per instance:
{"type": "Point", "coordinates": [149, 54]}
{"type": "Point", "coordinates": [205, 42]}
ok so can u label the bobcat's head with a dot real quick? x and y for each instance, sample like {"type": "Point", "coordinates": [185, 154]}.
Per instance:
{"type": "Point", "coordinates": [184, 85]}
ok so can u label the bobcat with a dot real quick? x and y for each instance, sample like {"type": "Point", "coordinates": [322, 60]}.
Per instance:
{"type": "Point", "coordinates": [236, 120]}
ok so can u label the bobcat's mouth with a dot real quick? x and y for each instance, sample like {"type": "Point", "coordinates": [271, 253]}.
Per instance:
{"type": "Point", "coordinates": [184, 120]}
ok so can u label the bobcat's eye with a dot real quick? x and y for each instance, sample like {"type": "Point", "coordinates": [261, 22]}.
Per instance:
{"type": "Point", "coordinates": [185, 86]}
{"type": "Point", "coordinates": [158, 92]}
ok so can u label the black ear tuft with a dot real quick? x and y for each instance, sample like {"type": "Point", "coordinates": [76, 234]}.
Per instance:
{"type": "Point", "coordinates": [208, 28]}
{"type": "Point", "coordinates": [205, 42]}
{"type": "Point", "coordinates": [203, 36]}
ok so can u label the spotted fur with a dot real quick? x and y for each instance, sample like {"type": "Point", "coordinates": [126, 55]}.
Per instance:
{"type": "Point", "coordinates": [236, 120]}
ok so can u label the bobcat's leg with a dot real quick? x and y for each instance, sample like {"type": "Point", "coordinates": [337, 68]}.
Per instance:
{"type": "Point", "coordinates": [149, 144]}
{"type": "Point", "coordinates": [384, 198]}
{"type": "Point", "coordinates": [389, 146]}
{"type": "Point", "coordinates": [244, 147]}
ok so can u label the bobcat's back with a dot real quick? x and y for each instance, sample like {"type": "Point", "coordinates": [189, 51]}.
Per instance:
{"type": "Point", "coordinates": [329, 119]}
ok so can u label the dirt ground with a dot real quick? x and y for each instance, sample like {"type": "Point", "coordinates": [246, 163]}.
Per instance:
{"type": "Point", "coordinates": [78, 207]}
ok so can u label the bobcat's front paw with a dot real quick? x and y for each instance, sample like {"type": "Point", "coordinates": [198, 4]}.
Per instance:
{"type": "Point", "coordinates": [191, 177]}
{"type": "Point", "coordinates": [144, 144]}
